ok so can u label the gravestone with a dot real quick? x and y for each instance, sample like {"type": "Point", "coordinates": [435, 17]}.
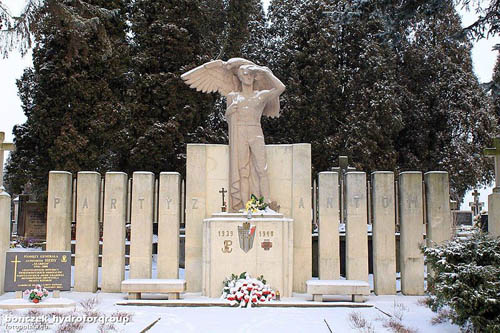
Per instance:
{"type": "Point", "coordinates": [32, 219]}
{"type": "Point", "coordinates": [462, 217]}
{"type": "Point", "coordinates": [476, 206]}
{"type": "Point", "coordinates": [25, 269]}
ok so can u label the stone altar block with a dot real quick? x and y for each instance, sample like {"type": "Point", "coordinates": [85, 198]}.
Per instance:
{"type": "Point", "coordinates": [265, 248]}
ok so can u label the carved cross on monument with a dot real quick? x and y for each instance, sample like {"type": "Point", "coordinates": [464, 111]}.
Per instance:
{"type": "Point", "coordinates": [223, 207]}
{"type": "Point", "coordinates": [3, 147]}
{"type": "Point", "coordinates": [476, 205]}
{"type": "Point", "coordinates": [495, 152]}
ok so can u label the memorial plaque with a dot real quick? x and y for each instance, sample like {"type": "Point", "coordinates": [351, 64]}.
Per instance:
{"type": "Point", "coordinates": [462, 217]}
{"type": "Point", "coordinates": [25, 269]}
{"type": "Point", "coordinates": [32, 220]}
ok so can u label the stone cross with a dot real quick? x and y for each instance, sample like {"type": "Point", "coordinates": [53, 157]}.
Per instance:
{"type": "Point", "coordinates": [223, 207]}
{"type": "Point", "coordinates": [495, 152]}
{"type": "Point", "coordinates": [476, 205]}
{"type": "Point", "coordinates": [3, 147]}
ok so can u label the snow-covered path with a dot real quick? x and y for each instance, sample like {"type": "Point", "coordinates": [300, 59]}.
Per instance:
{"type": "Point", "coordinates": [260, 320]}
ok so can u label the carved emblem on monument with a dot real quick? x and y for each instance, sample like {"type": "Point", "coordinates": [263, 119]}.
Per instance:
{"type": "Point", "coordinates": [266, 244]}
{"type": "Point", "coordinates": [246, 235]}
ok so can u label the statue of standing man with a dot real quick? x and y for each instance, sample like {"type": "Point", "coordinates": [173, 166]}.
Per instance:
{"type": "Point", "coordinates": [251, 92]}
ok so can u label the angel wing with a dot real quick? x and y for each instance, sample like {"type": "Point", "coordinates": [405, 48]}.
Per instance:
{"type": "Point", "coordinates": [272, 108]}
{"type": "Point", "coordinates": [215, 75]}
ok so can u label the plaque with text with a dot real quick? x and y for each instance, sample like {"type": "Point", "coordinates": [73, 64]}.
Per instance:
{"type": "Point", "coordinates": [461, 217]}
{"type": "Point", "coordinates": [25, 269]}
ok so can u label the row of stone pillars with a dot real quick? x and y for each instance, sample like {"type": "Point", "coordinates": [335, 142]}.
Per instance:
{"type": "Point", "coordinates": [410, 209]}
{"type": "Point", "coordinates": [114, 211]}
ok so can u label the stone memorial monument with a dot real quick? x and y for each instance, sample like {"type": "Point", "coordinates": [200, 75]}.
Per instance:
{"type": "Point", "coordinates": [218, 244]}
{"type": "Point", "coordinates": [251, 92]}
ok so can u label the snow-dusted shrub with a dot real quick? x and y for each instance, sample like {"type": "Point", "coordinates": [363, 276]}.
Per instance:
{"type": "Point", "coordinates": [465, 280]}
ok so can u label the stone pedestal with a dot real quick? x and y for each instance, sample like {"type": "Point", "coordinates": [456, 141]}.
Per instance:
{"type": "Point", "coordinates": [262, 247]}
{"type": "Point", "coordinates": [494, 214]}
{"type": "Point", "coordinates": [4, 234]}
{"type": "Point", "coordinates": [289, 173]}
{"type": "Point", "coordinates": [59, 208]}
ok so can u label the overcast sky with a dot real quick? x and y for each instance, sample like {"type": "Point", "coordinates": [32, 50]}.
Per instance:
{"type": "Point", "coordinates": [12, 68]}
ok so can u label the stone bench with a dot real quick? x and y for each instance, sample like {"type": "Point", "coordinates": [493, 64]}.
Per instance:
{"type": "Point", "coordinates": [171, 287]}
{"type": "Point", "coordinates": [356, 288]}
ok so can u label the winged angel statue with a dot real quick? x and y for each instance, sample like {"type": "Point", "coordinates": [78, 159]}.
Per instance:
{"type": "Point", "coordinates": [251, 92]}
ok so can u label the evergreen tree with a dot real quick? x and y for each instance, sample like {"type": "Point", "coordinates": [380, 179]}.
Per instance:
{"type": "Point", "coordinates": [445, 112]}
{"type": "Point", "coordinates": [341, 90]}
{"type": "Point", "coordinates": [72, 95]}
{"type": "Point", "coordinates": [169, 38]}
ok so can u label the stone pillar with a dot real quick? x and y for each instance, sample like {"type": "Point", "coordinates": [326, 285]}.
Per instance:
{"type": "Point", "coordinates": [169, 217]}
{"type": "Point", "coordinates": [4, 235]}
{"type": "Point", "coordinates": [302, 216]}
{"type": "Point", "coordinates": [437, 195]}
{"type": "Point", "coordinates": [87, 231]}
{"type": "Point", "coordinates": [59, 209]}
{"type": "Point", "coordinates": [113, 243]}
{"type": "Point", "coordinates": [383, 231]}
{"type": "Point", "coordinates": [328, 202]}
{"type": "Point", "coordinates": [411, 227]}
{"type": "Point", "coordinates": [195, 213]}
{"type": "Point", "coordinates": [356, 226]}
{"type": "Point", "coordinates": [141, 220]}
{"type": "Point", "coordinates": [494, 214]}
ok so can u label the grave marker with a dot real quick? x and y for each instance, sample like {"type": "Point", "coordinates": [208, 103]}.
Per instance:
{"type": "Point", "coordinates": [25, 269]}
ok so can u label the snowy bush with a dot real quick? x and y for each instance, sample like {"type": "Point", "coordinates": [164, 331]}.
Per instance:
{"type": "Point", "coordinates": [465, 281]}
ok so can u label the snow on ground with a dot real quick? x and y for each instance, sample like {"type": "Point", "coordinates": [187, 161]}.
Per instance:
{"type": "Point", "coordinates": [261, 320]}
